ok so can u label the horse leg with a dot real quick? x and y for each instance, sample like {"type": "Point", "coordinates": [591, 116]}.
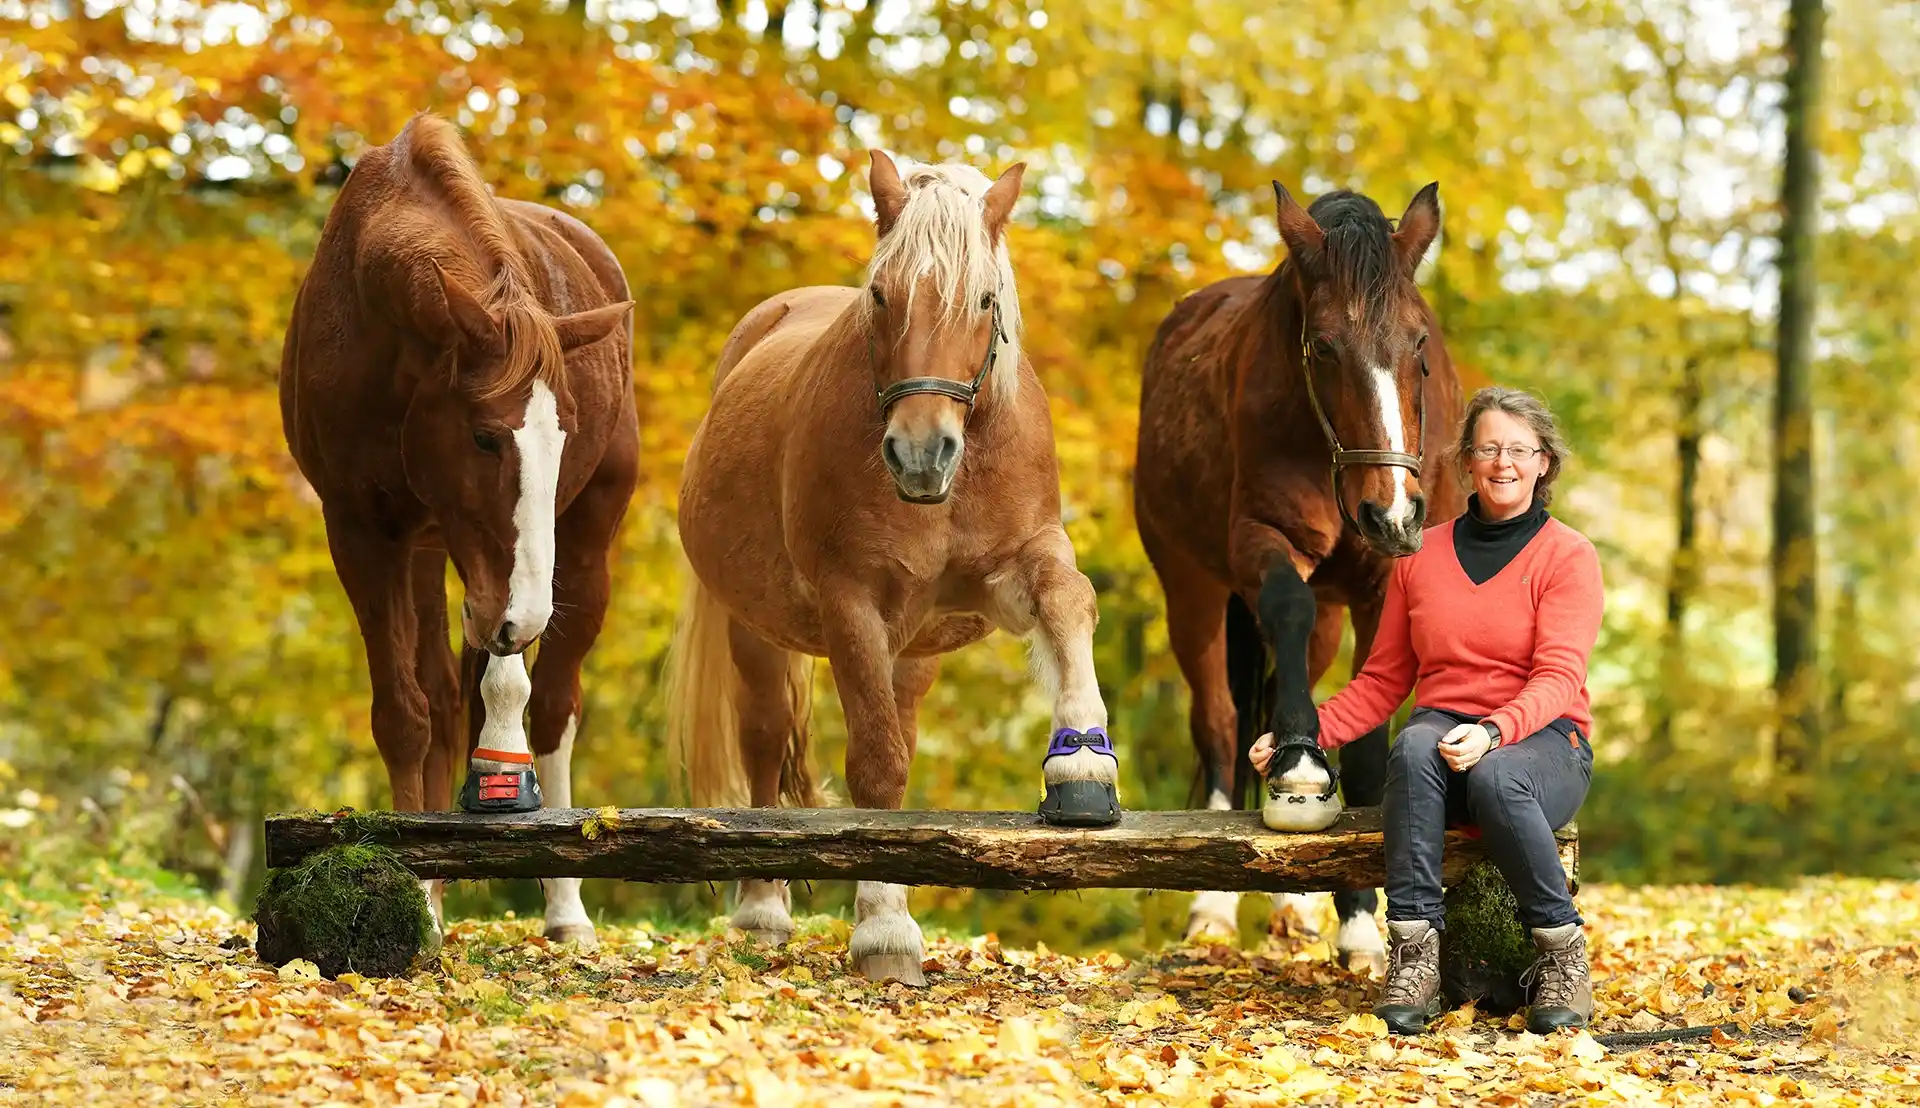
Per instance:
{"type": "Point", "coordinates": [1363, 773]}
{"type": "Point", "coordinates": [1197, 631]}
{"type": "Point", "coordinates": [1297, 914]}
{"type": "Point", "coordinates": [766, 713]}
{"type": "Point", "coordinates": [582, 584]}
{"type": "Point", "coordinates": [382, 600]}
{"type": "Point", "coordinates": [1042, 595]}
{"type": "Point", "coordinates": [886, 942]}
{"type": "Point", "coordinates": [1271, 578]}
{"type": "Point", "coordinates": [438, 673]}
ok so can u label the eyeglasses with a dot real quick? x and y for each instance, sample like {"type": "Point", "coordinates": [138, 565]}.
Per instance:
{"type": "Point", "coordinates": [1488, 452]}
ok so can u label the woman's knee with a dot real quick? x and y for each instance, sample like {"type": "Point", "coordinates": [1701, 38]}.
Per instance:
{"type": "Point", "coordinates": [1495, 781]}
{"type": "Point", "coordinates": [1418, 741]}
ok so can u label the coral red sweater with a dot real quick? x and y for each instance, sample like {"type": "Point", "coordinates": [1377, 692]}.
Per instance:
{"type": "Point", "coordinates": [1513, 650]}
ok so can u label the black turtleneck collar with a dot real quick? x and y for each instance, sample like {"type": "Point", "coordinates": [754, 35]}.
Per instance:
{"type": "Point", "coordinates": [1484, 547]}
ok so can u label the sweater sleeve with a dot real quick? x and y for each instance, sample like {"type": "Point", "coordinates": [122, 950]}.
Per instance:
{"type": "Point", "coordinates": [1568, 625]}
{"type": "Point", "coordinates": [1383, 683]}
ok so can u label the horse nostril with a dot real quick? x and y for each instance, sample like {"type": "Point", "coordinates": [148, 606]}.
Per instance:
{"type": "Point", "coordinates": [1419, 510]}
{"type": "Point", "coordinates": [1372, 516]}
{"type": "Point", "coordinates": [505, 638]}
{"type": "Point", "coordinates": [949, 449]}
{"type": "Point", "coordinates": [890, 453]}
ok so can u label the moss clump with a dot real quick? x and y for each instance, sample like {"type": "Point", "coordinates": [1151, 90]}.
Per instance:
{"type": "Point", "coordinates": [345, 909]}
{"type": "Point", "coordinates": [1485, 948]}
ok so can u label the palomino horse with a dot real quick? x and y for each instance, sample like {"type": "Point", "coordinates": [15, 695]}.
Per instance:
{"type": "Point", "coordinates": [875, 483]}
{"type": "Point", "coordinates": [1284, 420]}
{"type": "Point", "coordinates": [455, 381]}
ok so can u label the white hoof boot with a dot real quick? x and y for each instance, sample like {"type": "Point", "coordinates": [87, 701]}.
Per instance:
{"type": "Point", "coordinates": [1300, 796]}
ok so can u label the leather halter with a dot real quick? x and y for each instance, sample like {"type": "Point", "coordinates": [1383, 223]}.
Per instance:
{"type": "Point", "coordinates": [963, 391]}
{"type": "Point", "coordinates": [1343, 457]}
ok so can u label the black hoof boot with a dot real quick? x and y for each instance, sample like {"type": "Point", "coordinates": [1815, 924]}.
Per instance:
{"type": "Point", "coordinates": [500, 793]}
{"type": "Point", "coordinates": [1080, 802]}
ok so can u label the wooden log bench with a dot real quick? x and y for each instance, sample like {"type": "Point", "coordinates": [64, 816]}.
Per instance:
{"type": "Point", "coordinates": [1181, 850]}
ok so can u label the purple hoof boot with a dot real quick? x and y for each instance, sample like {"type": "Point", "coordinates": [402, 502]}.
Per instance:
{"type": "Point", "coordinates": [1080, 802]}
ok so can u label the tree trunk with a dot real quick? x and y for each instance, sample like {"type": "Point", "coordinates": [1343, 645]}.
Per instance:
{"type": "Point", "coordinates": [1795, 556]}
{"type": "Point", "coordinates": [1683, 578]}
{"type": "Point", "coordinates": [968, 850]}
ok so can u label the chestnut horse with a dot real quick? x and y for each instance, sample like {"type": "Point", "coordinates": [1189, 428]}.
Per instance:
{"type": "Point", "coordinates": [875, 482]}
{"type": "Point", "coordinates": [1284, 423]}
{"type": "Point", "coordinates": [455, 382]}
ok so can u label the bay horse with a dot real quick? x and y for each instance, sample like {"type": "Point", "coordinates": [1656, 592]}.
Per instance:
{"type": "Point", "coordinates": [1284, 422]}
{"type": "Point", "coordinates": [874, 482]}
{"type": "Point", "coordinates": [455, 382]}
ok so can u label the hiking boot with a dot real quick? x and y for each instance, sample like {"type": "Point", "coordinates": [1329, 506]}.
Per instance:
{"type": "Point", "coordinates": [1412, 993]}
{"type": "Point", "coordinates": [1562, 986]}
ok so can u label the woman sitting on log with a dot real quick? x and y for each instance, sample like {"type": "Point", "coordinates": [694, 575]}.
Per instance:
{"type": "Point", "coordinates": [1493, 621]}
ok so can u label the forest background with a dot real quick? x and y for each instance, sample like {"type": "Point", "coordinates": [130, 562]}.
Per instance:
{"type": "Point", "coordinates": [181, 660]}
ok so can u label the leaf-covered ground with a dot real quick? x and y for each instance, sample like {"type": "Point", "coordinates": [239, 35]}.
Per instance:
{"type": "Point", "coordinates": [136, 997]}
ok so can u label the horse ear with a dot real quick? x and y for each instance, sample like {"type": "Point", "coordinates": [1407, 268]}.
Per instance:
{"type": "Point", "coordinates": [589, 326]}
{"type": "Point", "coordinates": [1303, 236]}
{"type": "Point", "coordinates": [467, 320]}
{"type": "Point", "coordinates": [1001, 198]}
{"type": "Point", "coordinates": [889, 196]}
{"type": "Point", "coordinates": [1418, 226]}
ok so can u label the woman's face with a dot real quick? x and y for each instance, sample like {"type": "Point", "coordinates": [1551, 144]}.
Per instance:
{"type": "Point", "coordinates": [1504, 482]}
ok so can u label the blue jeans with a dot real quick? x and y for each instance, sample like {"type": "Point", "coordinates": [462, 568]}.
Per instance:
{"type": "Point", "coordinates": [1517, 794]}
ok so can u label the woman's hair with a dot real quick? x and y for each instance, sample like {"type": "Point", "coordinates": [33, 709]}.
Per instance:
{"type": "Point", "coordinates": [1528, 409]}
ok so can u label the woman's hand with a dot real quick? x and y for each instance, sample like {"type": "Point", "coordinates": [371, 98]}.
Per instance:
{"type": "Point", "coordinates": [1261, 752]}
{"type": "Point", "coordinates": [1465, 745]}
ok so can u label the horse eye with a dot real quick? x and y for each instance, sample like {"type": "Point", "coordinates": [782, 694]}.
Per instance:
{"type": "Point", "coordinates": [877, 298]}
{"type": "Point", "coordinates": [986, 302]}
{"type": "Point", "coordinates": [1420, 344]}
{"type": "Point", "coordinates": [487, 441]}
{"type": "Point", "coordinates": [1323, 350]}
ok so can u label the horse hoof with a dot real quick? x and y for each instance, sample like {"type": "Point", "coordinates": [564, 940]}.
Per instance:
{"type": "Point", "coordinates": [582, 934]}
{"type": "Point", "coordinates": [1081, 804]}
{"type": "Point", "coordinates": [769, 936]}
{"type": "Point", "coordinates": [494, 794]}
{"type": "Point", "coordinates": [1366, 963]}
{"type": "Point", "coordinates": [1204, 927]}
{"type": "Point", "coordinates": [1291, 811]}
{"type": "Point", "coordinates": [904, 968]}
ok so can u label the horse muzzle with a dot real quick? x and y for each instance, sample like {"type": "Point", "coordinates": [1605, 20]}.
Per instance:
{"type": "Point", "coordinates": [924, 466]}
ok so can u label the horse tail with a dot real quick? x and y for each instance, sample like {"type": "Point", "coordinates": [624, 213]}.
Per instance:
{"type": "Point", "coordinates": [1247, 682]}
{"type": "Point", "coordinates": [703, 710]}
{"type": "Point", "coordinates": [703, 702]}
{"type": "Point", "coordinates": [798, 788]}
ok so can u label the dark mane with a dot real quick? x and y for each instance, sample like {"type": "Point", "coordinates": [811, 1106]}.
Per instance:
{"type": "Point", "coordinates": [437, 157]}
{"type": "Point", "coordinates": [1358, 262]}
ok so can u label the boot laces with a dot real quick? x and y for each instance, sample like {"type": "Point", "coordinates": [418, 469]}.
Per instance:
{"type": "Point", "coordinates": [1558, 973]}
{"type": "Point", "coordinates": [1407, 969]}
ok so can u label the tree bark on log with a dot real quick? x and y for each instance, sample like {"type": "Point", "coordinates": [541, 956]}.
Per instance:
{"type": "Point", "coordinates": [1190, 850]}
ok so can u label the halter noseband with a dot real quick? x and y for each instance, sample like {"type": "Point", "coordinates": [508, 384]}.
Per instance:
{"type": "Point", "coordinates": [963, 391]}
{"type": "Point", "coordinates": [1342, 456]}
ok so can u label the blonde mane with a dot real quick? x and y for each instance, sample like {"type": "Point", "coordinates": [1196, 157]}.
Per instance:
{"type": "Point", "coordinates": [437, 156]}
{"type": "Point", "coordinates": [942, 233]}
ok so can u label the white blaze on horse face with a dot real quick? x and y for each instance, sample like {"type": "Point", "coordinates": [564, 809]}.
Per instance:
{"type": "Point", "coordinates": [1394, 424]}
{"type": "Point", "coordinates": [539, 441]}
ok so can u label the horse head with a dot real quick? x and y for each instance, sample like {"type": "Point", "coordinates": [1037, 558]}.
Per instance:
{"type": "Point", "coordinates": [1362, 330]}
{"type": "Point", "coordinates": [943, 316]}
{"type": "Point", "coordinates": [483, 438]}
